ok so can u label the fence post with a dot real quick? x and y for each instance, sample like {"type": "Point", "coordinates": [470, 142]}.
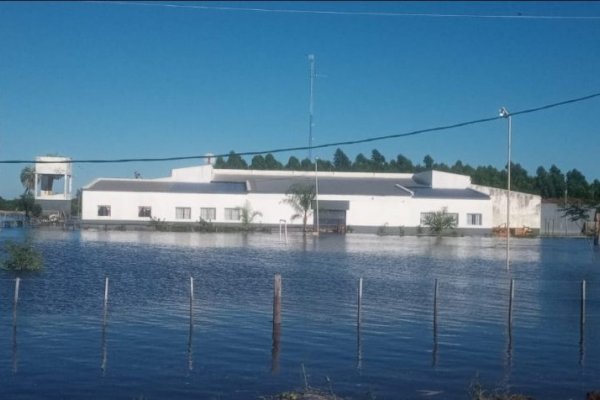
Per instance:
{"type": "Point", "coordinates": [277, 299]}
{"type": "Point", "coordinates": [17, 284]}
{"type": "Point", "coordinates": [582, 324]}
{"type": "Point", "coordinates": [435, 323]}
{"type": "Point", "coordinates": [358, 324]}
{"type": "Point", "coordinates": [276, 334]}
{"type": "Point", "coordinates": [104, 346]}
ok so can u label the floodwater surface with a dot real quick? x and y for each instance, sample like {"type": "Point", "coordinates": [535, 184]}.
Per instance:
{"type": "Point", "coordinates": [59, 344]}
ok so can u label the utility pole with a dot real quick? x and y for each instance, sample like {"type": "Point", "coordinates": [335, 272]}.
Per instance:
{"type": "Point", "coordinates": [311, 60]}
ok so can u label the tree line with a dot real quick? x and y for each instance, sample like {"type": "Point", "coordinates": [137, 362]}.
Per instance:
{"type": "Point", "coordinates": [549, 183]}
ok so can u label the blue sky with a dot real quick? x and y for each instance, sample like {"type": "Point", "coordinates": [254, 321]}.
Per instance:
{"type": "Point", "coordinates": [106, 80]}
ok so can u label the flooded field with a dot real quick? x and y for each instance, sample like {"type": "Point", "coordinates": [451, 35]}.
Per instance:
{"type": "Point", "coordinates": [59, 345]}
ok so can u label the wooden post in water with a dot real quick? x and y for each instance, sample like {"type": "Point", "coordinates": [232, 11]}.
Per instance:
{"type": "Point", "coordinates": [15, 351]}
{"type": "Point", "coordinates": [191, 331]}
{"type": "Point", "coordinates": [105, 294]}
{"type": "Point", "coordinates": [583, 302]}
{"type": "Point", "coordinates": [359, 300]}
{"type": "Point", "coordinates": [510, 316]}
{"type": "Point", "coordinates": [276, 336]}
{"type": "Point", "coordinates": [435, 323]}
{"type": "Point", "coordinates": [191, 293]}
{"type": "Point", "coordinates": [277, 299]}
{"type": "Point", "coordinates": [510, 302]}
{"type": "Point", "coordinates": [358, 324]}
{"type": "Point", "coordinates": [104, 321]}
{"type": "Point", "coordinates": [582, 324]}
{"type": "Point", "coordinates": [17, 284]}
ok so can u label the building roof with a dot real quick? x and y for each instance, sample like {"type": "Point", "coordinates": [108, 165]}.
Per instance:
{"type": "Point", "coordinates": [142, 185]}
{"type": "Point", "coordinates": [327, 184]}
{"type": "Point", "coordinates": [280, 184]}
{"type": "Point", "coordinates": [463, 194]}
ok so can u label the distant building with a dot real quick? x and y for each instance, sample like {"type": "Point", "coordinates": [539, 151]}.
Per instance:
{"type": "Point", "coordinates": [53, 184]}
{"type": "Point", "coordinates": [362, 202]}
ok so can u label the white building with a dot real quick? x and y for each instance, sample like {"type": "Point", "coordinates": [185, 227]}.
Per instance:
{"type": "Point", "coordinates": [53, 184]}
{"type": "Point", "coordinates": [363, 202]}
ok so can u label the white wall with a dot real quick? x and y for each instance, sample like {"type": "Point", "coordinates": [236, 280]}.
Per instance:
{"type": "Point", "coordinates": [525, 209]}
{"type": "Point", "coordinates": [443, 180]}
{"type": "Point", "coordinates": [124, 205]}
{"type": "Point", "coordinates": [363, 211]}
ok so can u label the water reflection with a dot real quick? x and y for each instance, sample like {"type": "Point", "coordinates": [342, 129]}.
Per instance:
{"type": "Point", "coordinates": [190, 349]}
{"type": "Point", "coordinates": [15, 348]}
{"type": "Point", "coordinates": [148, 268]}
{"type": "Point", "coordinates": [276, 348]}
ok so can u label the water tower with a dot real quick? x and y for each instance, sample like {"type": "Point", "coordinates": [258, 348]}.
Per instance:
{"type": "Point", "coordinates": [54, 184]}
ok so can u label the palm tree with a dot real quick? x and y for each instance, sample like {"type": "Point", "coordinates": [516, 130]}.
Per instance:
{"type": "Point", "coordinates": [300, 197]}
{"type": "Point", "coordinates": [28, 178]}
{"type": "Point", "coordinates": [247, 215]}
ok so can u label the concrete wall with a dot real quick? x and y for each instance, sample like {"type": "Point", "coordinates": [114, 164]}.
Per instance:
{"type": "Point", "coordinates": [525, 209]}
{"type": "Point", "coordinates": [555, 224]}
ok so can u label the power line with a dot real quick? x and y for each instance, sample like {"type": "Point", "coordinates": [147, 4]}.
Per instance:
{"type": "Point", "coordinates": [349, 13]}
{"type": "Point", "coordinates": [321, 146]}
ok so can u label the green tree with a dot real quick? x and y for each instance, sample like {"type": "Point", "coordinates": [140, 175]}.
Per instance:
{"type": "Point", "coordinates": [428, 162]}
{"type": "Point", "coordinates": [544, 184]}
{"type": "Point", "coordinates": [293, 164]}
{"type": "Point", "coordinates": [28, 178]}
{"type": "Point", "coordinates": [595, 191]}
{"type": "Point", "coordinates": [378, 163]}
{"type": "Point", "coordinates": [577, 185]}
{"type": "Point", "coordinates": [325, 165]}
{"type": "Point", "coordinates": [341, 162]}
{"type": "Point", "coordinates": [557, 179]}
{"type": "Point", "coordinates": [307, 165]}
{"type": "Point", "coordinates": [271, 163]}
{"type": "Point", "coordinates": [258, 162]}
{"type": "Point", "coordinates": [235, 161]}
{"type": "Point", "coordinates": [520, 180]}
{"type": "Point", "coordinates": [76, 203]}
{"type": "Point", "coordinates": [440, 221]}
{"type": "Point", "coordinates": [219, 163]}
{"type": "Point", "coordinates": [361, 163]}
{"type": "Point", "coordinates": [403, 164]}
{"type": "Point", "coordinates": [26, 203]}
{"type": "Point", "coordinates": [300, 197]}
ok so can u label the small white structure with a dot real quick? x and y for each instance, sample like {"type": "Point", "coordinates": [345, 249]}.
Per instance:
{"type": "Point", "coordinates": [364, 202]}
{"type": "Point", "coordinates": [49, 171]}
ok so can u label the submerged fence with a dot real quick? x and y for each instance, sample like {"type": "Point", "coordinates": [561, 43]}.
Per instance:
{"type": "Point", "coordinates": [278, 321]}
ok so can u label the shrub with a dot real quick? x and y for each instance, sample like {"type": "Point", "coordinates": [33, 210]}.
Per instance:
{"type": "Point", "coordinates": [22, 257]}
{"type": "Point", "coordinates": [440, 221]}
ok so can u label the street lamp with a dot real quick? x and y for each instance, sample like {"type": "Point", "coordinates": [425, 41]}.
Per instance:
{"type": "Point", "coordinates": [505, 114]}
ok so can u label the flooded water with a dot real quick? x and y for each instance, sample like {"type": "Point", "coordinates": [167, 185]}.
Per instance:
{"type": "Point", "coordinates": [60, 346]}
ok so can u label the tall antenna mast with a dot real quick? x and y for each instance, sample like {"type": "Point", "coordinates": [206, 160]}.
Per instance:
{"type": "Point", "coordinates": [311, 60]}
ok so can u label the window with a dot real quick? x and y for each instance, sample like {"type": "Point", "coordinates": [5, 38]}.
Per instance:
{"type": "Point", "coordinates": [473, 219]}
{"type": "Point", "coordinates": [183, 213]}
{"type": "Point", "coordinates": [104, 211]}
{"type": "Point", "coordinates": [232, 214]}
{"type": "Point", "coordinates": [145, 212]}
{"type": "Point", "coordinates": [208, 214]}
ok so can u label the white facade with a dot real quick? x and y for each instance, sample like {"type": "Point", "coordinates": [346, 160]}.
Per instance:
{"type": "Point", "coordinates": [53, 178]}
{"type": "Point", "coordinates": [397, 200]}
